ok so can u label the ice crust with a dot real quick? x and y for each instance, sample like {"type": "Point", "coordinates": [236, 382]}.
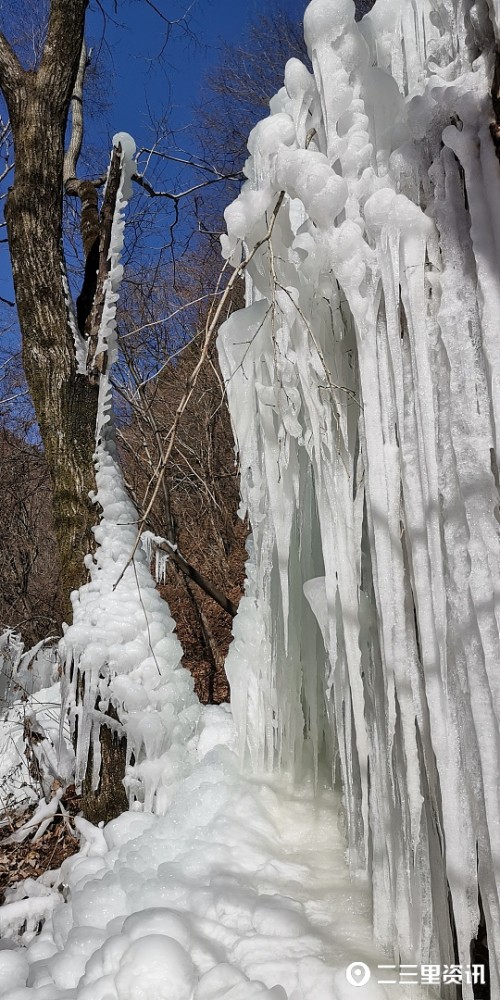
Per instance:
{"type": "Point", "coordinates": [121, 645]}
{"type": "Point", "coordinates": [363, 381]}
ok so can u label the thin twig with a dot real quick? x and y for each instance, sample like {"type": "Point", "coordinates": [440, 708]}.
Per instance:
{"type": "Point", "coordinates": [211, 326]}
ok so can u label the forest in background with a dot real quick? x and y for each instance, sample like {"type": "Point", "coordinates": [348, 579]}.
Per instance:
{"type": "Point", "coordinates": [166, 296]}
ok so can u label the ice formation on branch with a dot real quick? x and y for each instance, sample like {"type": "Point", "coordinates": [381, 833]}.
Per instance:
{"type": "Point", "coordinates": [120, 650]}
{"type": "Point", "coordinates": [364, 385]}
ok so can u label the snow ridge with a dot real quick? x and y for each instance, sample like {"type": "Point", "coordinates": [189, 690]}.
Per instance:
{"type": "Point", "coordinates": [363, 382]}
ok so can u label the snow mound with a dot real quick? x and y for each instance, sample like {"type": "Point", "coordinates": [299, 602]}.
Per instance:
{"type": "Point", "coordinates": [239, 892]}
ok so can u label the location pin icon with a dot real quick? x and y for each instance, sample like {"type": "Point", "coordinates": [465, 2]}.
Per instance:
{"type": "Point", "coordinates": [357, 974]}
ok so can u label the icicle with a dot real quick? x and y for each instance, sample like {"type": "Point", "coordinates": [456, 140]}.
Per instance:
{"type": "Point", "coordinates": [161, 561]}
{"type": "Point", "coordinates": [363, 386]}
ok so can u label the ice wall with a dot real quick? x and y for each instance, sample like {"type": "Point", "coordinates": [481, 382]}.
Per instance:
{"type": "Point", "coordinates": [122, 659]}
{"type": "Point", "coordinates": [364, 385]}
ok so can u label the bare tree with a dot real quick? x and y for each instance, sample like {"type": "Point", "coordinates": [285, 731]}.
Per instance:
{"type": "Point", "coordinates": [65, 401]}
{"type": "Point", "coordinates": [196, 508]}
{"type": "Point", "coordinates": [63, 392]}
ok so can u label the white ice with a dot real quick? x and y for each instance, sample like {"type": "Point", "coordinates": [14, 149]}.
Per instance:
{"type": "Point", "coordinates": [121, 642]}
{"type": "Point", "coordinates": [33, 719]}
{"type": "Point", "coordinates": [363, 382]}
{"type": "Point", "coordinates": [239, 892]}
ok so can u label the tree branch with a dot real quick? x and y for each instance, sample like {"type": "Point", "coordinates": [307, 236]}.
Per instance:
{"type": "Point", "coordinates": [201, 581]}
{"type": "Point", "coordinates": [75, 143]}
{"type": "Point", "coordinates": [212, 322]}
{"type": "Point", "coordinates": [168, 21]}
{"type": "Point", "coordinates": [141, 180]}
{"type": "Point", "coordinates": [209, 168]}
{"type": "Point", "coordinates": [11, 71]}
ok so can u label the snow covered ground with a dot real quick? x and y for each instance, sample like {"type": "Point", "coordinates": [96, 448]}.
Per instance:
{"type": "Point", "coordinates": [240, 892]}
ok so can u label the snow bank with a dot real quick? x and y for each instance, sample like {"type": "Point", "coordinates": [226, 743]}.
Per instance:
{"type": "Point", "coordinates": [363, 381]}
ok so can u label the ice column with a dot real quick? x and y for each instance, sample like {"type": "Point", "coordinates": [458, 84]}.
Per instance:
{"type": "Point", "coordinates": [363, 383]}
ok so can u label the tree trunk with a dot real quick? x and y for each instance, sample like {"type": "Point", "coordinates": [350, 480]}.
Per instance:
{"type": "Point", "coordinates": [109, 799]}
{"type": "Point", "coordinates": [64, 399]}
{"type": "Point", "coordinates": [65, 402]}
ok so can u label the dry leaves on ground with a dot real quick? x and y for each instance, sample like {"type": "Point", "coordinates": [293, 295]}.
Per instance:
{"type": "Point", "coordinates": [31, 859]}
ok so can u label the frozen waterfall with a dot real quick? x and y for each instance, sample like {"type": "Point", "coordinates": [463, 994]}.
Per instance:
{"type": "Point", "coordinates": [364, 385]}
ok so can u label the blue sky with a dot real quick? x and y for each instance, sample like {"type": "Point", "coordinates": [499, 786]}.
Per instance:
{"type": "Point", "coordinates": [149, 73]}
{"type": "Point", "coordinates": [140, 74]}
{"type": "Point", "coordinates": [143, 75]}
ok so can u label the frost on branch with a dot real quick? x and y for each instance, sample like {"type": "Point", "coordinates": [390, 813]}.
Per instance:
{"type": "Point", "coordinates": [364, 385]}
{"type": "Point", "coordinates": [121, 652]}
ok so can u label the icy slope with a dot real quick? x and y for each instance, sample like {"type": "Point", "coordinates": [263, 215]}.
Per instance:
{"type": "Point", "coordinates": [363, 382]}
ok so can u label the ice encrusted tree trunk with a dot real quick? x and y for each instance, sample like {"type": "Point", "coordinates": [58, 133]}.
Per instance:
{"type": "Point", "coordinates": [364, 385]}
{"type": "Point", "coordinates": [130, 702]}
{"type": "Point", "coordinates": [62, 364]}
